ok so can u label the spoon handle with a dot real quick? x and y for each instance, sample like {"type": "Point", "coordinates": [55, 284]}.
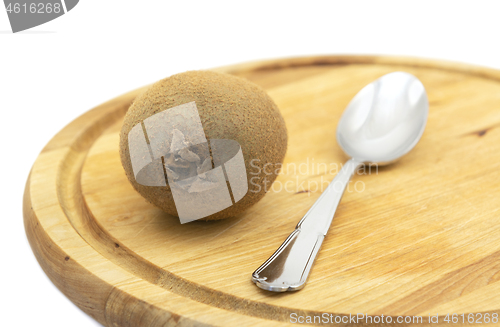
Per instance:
{"type": "Point", "coordinates": [288, 268]}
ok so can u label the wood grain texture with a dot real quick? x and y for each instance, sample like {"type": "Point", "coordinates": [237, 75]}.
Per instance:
{"type": "Point", "coordinates": [418, 237]}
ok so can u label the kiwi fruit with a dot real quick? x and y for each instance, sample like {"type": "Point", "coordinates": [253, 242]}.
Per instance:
{"type": "Point", "coordinates": [230, 108]}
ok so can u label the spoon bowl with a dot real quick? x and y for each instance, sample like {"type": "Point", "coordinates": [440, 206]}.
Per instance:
{"type": "Point", "coordinates": [385, 120]}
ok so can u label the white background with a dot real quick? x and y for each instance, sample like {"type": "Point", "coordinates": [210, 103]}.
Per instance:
{"type": "Point", "coordinates": [53, 73]}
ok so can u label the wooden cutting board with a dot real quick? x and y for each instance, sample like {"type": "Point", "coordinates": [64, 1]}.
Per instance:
{"type": "Point", "coordinates": [418, 237]}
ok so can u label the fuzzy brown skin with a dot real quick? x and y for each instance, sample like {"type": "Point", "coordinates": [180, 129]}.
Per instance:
{"type": "Point", "coordinates": [230, 107]}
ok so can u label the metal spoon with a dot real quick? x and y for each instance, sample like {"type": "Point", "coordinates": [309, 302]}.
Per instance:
{"type": "Point", "coordinates": [384, 121]}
